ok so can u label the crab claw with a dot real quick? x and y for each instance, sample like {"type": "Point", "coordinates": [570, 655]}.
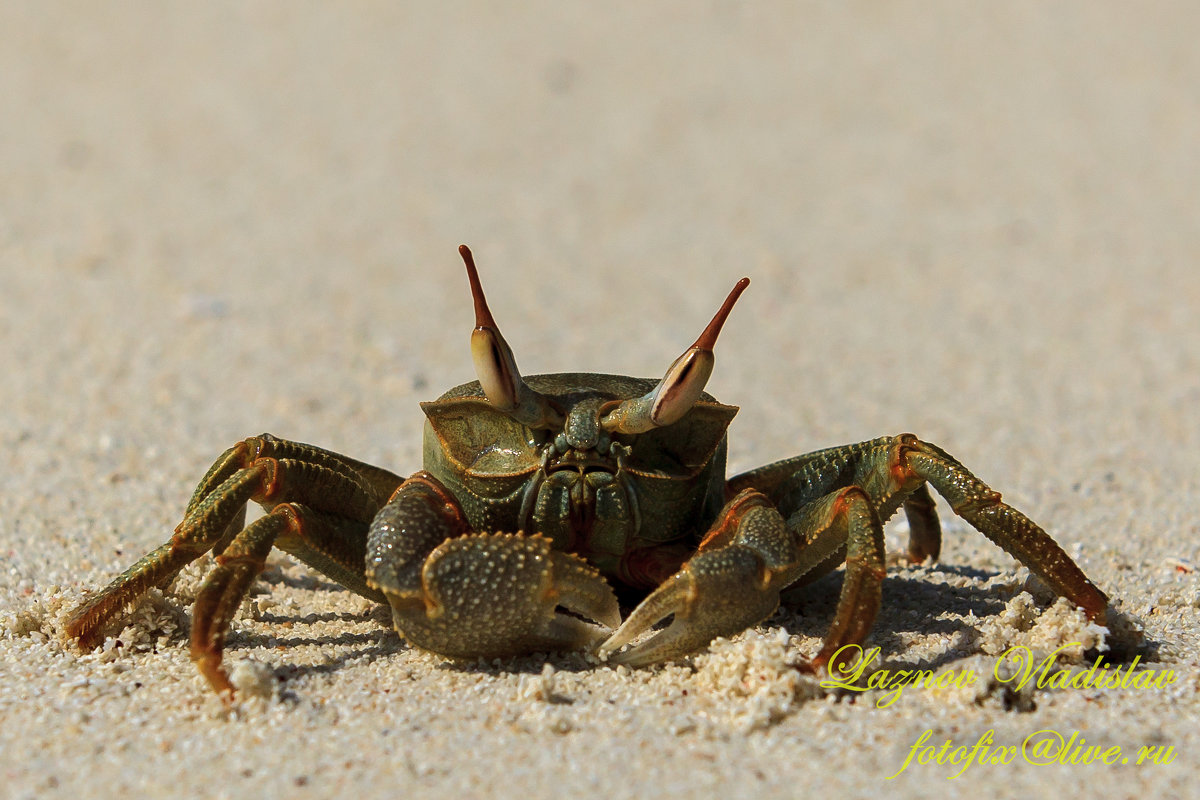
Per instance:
{"type": "Point", "coordinates": [718, 592]}
{"type": "Point", "coordinates": [500, 595]}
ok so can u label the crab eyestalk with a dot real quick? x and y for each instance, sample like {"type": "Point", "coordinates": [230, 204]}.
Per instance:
{"type": "Point", "coordinates": [681, 387]}
{"type": "Point", "coordinates": [497, 368]}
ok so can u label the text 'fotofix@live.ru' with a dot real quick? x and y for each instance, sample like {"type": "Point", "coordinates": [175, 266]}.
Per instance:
{"type": "Point", "coordinates": [1017, 668]}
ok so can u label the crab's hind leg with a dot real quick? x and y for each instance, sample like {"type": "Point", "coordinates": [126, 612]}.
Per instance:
{"type": "Point", "coordinates": [979, 505]}
{"type": "Point", "coordinates": [795, 520]}
{"type": "Point", "coordinates": [795, 482]}
{"type": "Point", "coordinates": [924, 530]}
{"type": "Point", "coordinates": [896, 472]}
{"type": "Point", "coordinates": [267, 470]}
{"type": "Point", "coordinates": [467, 594]}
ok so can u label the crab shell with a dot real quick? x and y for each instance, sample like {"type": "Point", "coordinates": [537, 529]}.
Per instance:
{"type": "Point", "coordinates": [614, 499]}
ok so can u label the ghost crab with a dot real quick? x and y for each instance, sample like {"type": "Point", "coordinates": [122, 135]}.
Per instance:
{"type": "Point", "coordinates": [537, 492]}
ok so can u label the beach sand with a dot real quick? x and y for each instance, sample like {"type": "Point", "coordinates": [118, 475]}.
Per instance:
{"type": "Point", "coordinates": [978, 224]}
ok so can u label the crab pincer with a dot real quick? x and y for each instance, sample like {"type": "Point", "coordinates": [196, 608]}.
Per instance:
{"type": "Point", "coordinates": [472, 595]}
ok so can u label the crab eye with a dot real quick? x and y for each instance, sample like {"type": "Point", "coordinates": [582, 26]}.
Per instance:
{"type": "Point", "coordinates": [681, 387]}
{"type": "Point", "coordinates": [496, 367]}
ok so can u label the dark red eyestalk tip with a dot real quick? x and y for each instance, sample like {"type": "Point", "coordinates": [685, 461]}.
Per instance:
{"type": "Point", "coordinates": [709, 337]}
{"type": "Point", "coordinates": [483, 315]}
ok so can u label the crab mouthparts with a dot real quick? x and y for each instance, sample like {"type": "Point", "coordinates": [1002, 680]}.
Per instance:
{"type": "Point", "coordinates": [581, 462]}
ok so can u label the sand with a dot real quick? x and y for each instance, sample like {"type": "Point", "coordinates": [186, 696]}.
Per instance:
{"type": "Point", "coordinates": [975, 223]}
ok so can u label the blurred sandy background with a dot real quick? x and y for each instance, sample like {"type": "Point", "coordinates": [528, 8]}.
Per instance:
{"type": "Point", "coordinates": [976, 222]}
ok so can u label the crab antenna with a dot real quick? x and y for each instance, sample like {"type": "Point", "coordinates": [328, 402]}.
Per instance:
{"type": "Point", "coordinates": [683, 384]}
{"type": "Point", "coordinates": [497, 368]}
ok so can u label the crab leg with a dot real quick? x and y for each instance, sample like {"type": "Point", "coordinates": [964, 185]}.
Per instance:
{"type": "Point", "coordinates": [924, 530]}
{"type": "Point", "coordinates": [196, 535]}
{"type": "Point", "coordinates": [979, 505]}
{"type": "Point", "coordinates": [269, 471]}
{"type": "Point", "coordinates": [226, 586]}
{"type": "Point", "coordinates": [466, 594]}
{"type": "Point", "coordinates": [894, 471]}
{"type": "Point", "coordinates": [845, 516]}
{"type": "Point", "coordinates": [827, 508]}
{"type": "Point", "coordinates": [332, 544]}
{"type": "Point", "coordinates": [795, 482]}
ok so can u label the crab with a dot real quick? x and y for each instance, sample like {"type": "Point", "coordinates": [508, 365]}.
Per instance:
{"type": "Point", "coordinates": [541, 494]}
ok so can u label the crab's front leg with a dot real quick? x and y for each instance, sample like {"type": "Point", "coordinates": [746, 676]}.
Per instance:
{"type": "Point", "coordinates": [467, 594]}
{"type": "Point", "coordinates": [750, 554]}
